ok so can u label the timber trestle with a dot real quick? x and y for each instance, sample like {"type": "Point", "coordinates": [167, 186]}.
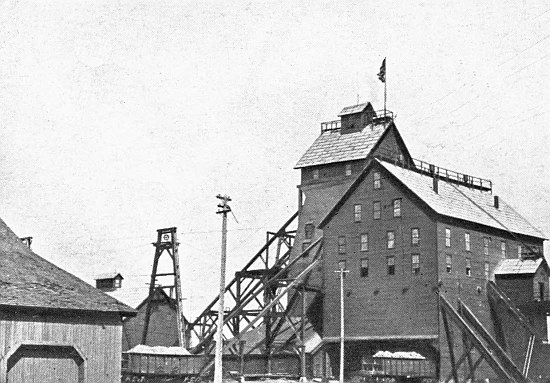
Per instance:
{"type": "Point", "coordinates": [475, 337]}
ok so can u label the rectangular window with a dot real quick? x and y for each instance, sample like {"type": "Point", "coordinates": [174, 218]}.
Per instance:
{"type": "Point", "coordinates": [541, 290]}
{"type": "Point", "coordinates": [391, 239]}
{"type": "Point", "coordinates": [342, 245]}
{"type": "Point", "coordinates": [467, 241]}
{"type": "Point", "coordinates": [519, 251]}
{"type": "Point", "coordinates": [449, 263]}
{"type": "Point", "coordinates": [397, 207]}
{"type": "Point", "coordinates": [364, 242]}
{"type": "Point", "coordinates": [468, 267]}
{"type": "Point", "coordinates": [485, 246]}
{"type": "Point", "coordinates": [376, 209]}
{"type": "Point", "coordinates": [487, 270]}
{"type": "Point", "coordinates": [376, 182]}
{"type": "Point", "coordinates": [415, 262]}
{"type": "Point", "coordinates": [447, 237]}
{"type": "Point", "coordinates": [305, 245]}
{"type": "Point", "coordinates": [342, 264]}
{"type": "Point", "coordinates": [348, 169]}
{"type": "Point", "coordinates": [364, 269]}
{"type": "Point", "coordinates": [503, 249]}
{"type": "Point", "coordinates": [415, 236]}
{"type": "Point", "coordinates": [315, 174]}
{"type": "Point", "coordinates": [357, 213]}
{"type": "Point", "coordinates": [391, 265]}
{"type": "Point", "coordinates": [309, 230]}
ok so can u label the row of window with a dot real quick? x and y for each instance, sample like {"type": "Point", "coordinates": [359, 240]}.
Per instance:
{"type": "Point", "coordinates": [390, 240]}
{"type": "Point", "coordinates": [390, 264]}
{"type": "Point", "coordinates": [486, 242]}
{"type": "Point", "coordinates": [347, 172]}
{"type": "Point", "coordinates": [376, 210]}
{"type": "Point", "coordinates": [468, 268]}
{"type": "Point", "coordinates": [415, 266]}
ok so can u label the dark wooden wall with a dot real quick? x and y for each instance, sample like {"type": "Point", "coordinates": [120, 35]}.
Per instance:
{"type": "Point", "coordinates": [381, 305]}
{"type": "Point", "coordinates": [98, 339]}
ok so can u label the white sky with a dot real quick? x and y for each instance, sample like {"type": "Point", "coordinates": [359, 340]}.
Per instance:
{"type": "Point", "coordinates": [121, 117]}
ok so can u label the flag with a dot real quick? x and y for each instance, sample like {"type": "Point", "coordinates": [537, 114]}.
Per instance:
{"type": "Point", "coordinates": [382, 74]}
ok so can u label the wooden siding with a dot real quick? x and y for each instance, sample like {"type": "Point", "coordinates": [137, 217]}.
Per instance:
{"type": "Point", "coordinates": [381, 305]}
{"type": "Point", "coordinates": [99, 341]}
{"type": "Point", "coordinates": [471, 289]}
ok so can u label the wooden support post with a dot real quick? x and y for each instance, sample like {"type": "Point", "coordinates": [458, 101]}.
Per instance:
{"type": "Point", "coordinates": [242, 343]}
{"type": "Point", "coordinates": [303, 337]}
{"type": "Point", "coordinates": [449, 335]}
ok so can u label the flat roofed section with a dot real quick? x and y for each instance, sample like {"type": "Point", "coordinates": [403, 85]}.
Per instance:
{"type": "Point", "coordinates": [331, 146]}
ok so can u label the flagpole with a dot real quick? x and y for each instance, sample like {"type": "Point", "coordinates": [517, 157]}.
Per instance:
{"type": "Point", "coordinates": [385, 84]}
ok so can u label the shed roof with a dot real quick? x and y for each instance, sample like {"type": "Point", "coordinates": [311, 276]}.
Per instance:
{"type": "Point", "coordinates": [331, 146]}
{"type": "Point", "coordinates": [464, 203]}
{"type": "Point", "coordinates": [354, 109]}
{"type": "Point", "coordinates": [518, 266]}
{"type": "Point", "coordinates": [29, 281]}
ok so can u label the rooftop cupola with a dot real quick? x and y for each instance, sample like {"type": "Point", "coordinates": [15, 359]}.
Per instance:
{"type": "Point", "coordinates": [356, 117]}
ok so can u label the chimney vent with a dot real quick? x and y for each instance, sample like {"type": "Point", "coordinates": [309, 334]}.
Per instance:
{"type": "Point", "coordinates": [27, 241]}
{"type": "Point", "coordinates": [435, 180]}
{"type": "Point", "coordinates": [496, 202]}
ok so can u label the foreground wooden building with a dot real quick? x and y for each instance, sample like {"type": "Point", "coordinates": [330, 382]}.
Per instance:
{"type": "Point", "coordinates": [54, 326]}
{"type": "Point", "coordinates": [421, 244]}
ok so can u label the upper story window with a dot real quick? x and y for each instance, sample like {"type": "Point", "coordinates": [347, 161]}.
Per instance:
{"type": "Point", "coordinates": [468, 267]}
{"type": "Point", "coordinates": [364, 267]}
{"type": "Point", "coordinates": [364, 242]}
{"type": "Point", "coordinates": [397, 207]}
{"type": "Point", "coordinates": [542, 289]}
{"type": "Point", "coordinates": [415, 236]}
{"type": "Point", "coordinates": [415, 264]}
{"type": "Point", "coordinates": [348, 169]}
{"type": "Point", "coordinates": [376, 209]}
{"type": "Point", "coordinates": [342, 264]}
{"type": "Point", "coordinates": [342, 244]}
{"type": "Point", "coordinates": [487, 270]}
{"type": "Point", "coordinates": [447, 237]}
{"type": "Point", "coordinates": [305, 245]}
{"type": "Point", "coordinates": [391, 265]}
{"type": "Point", "coordinates": [520, 250]}
{"type": "Point", "coordinates": [467, 241]}
{"type": "Point", "coordinates": [357, 213]}
{"type": "Point", "coordinates": [315, 174]}
{"type": "Point", "coordinates": [449, 263]}
{"type": "Point", "coordinates": [391, 239]}
{"type": "Point", "coordinates": [376, 180]}
{"type": "Point", "coordinates": [503, 249]}
{"type": "Point", "coordinates": [485, 245]}
{"type": "Point", "coordinates": [309, 230]}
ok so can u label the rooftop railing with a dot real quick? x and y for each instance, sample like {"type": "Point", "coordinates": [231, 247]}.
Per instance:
{"type": "Point", "coordinates": [432, 170]}
{"type": "Point", "coordinates": [377, 117]}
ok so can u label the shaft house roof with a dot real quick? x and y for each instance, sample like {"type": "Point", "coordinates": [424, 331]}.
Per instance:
{"type": "Point", "coordinates": [29, 281]}
{"type": "Point", "coordinates": [332, 146]}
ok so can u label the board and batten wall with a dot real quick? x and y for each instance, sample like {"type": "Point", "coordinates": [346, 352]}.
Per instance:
{"type": "Point", "coordinates": [64, 347]}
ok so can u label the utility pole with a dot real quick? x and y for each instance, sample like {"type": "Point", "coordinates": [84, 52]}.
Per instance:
{"type": "Point", "coordinates": [342, 274]}
{"type": "Point", "coordinates": [223, 209]}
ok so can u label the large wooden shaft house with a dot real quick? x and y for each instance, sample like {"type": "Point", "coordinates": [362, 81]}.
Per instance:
{"type": "Point", "coordinates": [54, 327]}
{"type": "Point", "coordinates": [423, 246]}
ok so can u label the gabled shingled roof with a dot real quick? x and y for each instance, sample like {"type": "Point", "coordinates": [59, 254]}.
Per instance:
{"type": "Point", "coordinates": [332, 146]}
{"type": "Point", "coordinates": [463, 202]}
{"type": "Point", "coordinates": [453, 201]}
{"type": "Point", "coordinates": [29, 281]}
